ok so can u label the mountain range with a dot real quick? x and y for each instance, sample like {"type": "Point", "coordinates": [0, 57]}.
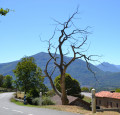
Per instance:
{"type": "Point", "coordinates": [105, 66]}
{"type": "Point", "coordinates": [103, 79]}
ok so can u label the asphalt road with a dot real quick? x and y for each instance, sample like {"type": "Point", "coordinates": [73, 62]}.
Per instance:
{"type": "Point", "coordinates": [9, 108]}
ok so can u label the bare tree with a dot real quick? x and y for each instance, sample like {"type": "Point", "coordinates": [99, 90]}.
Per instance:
{"type": "Point", "coordinates": [71, 36]}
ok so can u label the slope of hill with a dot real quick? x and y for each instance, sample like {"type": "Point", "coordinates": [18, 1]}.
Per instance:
{"type": "Point", "coordinates": [118, 66]}
{"type": "Point", "coordinates": [6, 68]}
{"type": "Point", "coordinates": [77, 69]}
{"type": "Point", "coordinates": [109, 67]}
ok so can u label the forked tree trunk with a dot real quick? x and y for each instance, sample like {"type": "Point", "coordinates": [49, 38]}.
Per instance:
{"type": "Point", "coordinates": [75, 44]}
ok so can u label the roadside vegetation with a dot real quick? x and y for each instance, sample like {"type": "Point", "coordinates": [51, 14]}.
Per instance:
{"type": "Point", "coordinates": [29, 79]}
{"type": "Point", "coordinates": [87, 99]}
{"type": "Point", "coordinates": [86, 89]}
{"type": "Point", "coordinates": [71, 84]}
{"type": "Point", "coordinates": [67, 108]}
{"type": "Point", "coordinates": [6, 83]}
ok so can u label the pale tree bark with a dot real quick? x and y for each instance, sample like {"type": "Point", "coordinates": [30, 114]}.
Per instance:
{"type": "Point", "coordinates": [75, 44]}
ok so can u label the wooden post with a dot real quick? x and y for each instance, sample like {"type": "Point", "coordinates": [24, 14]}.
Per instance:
{"type": "Point", "coordinates": [93, 101]}
{"type": "Point", "coordinates": [40, 98]}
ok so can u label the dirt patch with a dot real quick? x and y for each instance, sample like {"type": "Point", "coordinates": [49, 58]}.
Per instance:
{"type": "Point", "coordinates": [76, 109]}
{"type": "Point", "coordinates": [80, 110]}
{"type": "Point", "coordinates": [106, 113]}
{"type": "Point", "coordinates": [68, 108]}
{"type": "Point", "coordinates": [57, 99]}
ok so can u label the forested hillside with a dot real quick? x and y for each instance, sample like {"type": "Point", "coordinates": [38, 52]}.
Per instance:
{"type": "Point", "coordinates": [77, 69]}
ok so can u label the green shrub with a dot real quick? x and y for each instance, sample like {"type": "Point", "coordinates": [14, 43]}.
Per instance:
{"type": "Point", "coordinates": [90, 89]}
{"type": "Point", "coordinates": [50, 93]}
{"type": "Point", "coordinates": [33, 93]}
{"type": "Point", "coordinates": [36, 101]}
{"type": "Point", "coordinates": [47, 101]}
{"type": "Point", "coordinates": [85, 89]}
{"type": "Point", "coordinates": [117, 90]}
{"type": "Point", "coordinates": [71, 84]}
{"type": "Point", "coordinates": [29, 99]}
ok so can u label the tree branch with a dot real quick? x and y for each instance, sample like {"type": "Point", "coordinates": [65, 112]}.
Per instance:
{"type": "Point", "coordinates": [50, 78]}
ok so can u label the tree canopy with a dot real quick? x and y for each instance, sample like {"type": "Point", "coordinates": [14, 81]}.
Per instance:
{"type": "Point", "coordinates": [71, 84]}
{"type": "Point", "coordinates": [1, 80]}
{"type": "Point", "coordinates": [3, 12]}
{"type": "Point", "coordinates": [7, 81]}
{"type": "Point", "coordinates": [28, 75]}
{"type": "Point", "coordinates": [85, 89]}
{"type": "Point", "coordinates": [117, 90]}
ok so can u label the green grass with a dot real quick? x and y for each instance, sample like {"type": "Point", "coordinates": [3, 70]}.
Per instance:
{"type": "Point", "coordinates": [87, 99]}
{"type": "Point", "coordinates": [21, 103]}
{"type": "Point", "coordinates": [1, 92]}
{"type": "Point", "coordinates": [16, 102]}
{"type": "Point", "coordinates": [28, 105]}
{"type": "Point", "coordinates": [68, 108]}
{"type": "Point", "coordinates": [73, 109]}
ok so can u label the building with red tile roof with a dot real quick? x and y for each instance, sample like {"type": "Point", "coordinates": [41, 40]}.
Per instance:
{"type": "Point", "coordinates": [106, 99]}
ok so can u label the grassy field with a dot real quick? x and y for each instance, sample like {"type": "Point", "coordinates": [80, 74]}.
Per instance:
{"type": "Point", "coordinates": [87, 99]}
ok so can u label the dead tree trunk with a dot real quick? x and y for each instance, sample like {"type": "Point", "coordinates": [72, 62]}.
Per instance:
{"type": "Point", "coordinates": [76, 40]}
{"type": "Point", "coordinates": [64, 98]}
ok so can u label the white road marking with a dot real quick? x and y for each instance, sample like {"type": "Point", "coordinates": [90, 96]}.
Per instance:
{"type": "Point", "coordinates": [5, 108]}
{"type": "Point", "coordinates": [30, 114]}
{"type": "Point", "coordinates": [17, 111]}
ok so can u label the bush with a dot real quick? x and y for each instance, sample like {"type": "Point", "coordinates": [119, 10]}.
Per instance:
{"type": "Point", "coordinates": [50, 93]}
{"type": "Point", "coordinates": [47, 101]}
{"type": "Point", "coordinates": [85, 89]}
{"type": "Point", "coordinates": [34, 93]}
{"type": "Point", "coordinates": [90, 89]}
{"type": "Point", "coordinates": [71, 84]}
{"type": "Point", "coordinates": [117, 90]}
{"type": "Point", "coordinates": [29, 99]}
{"type": "Point", "coordinates": [36, 101]}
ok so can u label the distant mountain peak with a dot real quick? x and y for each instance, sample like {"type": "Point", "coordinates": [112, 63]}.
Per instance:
{"type": "Point", "coordinates": [77, 70]}
{"type": "Point", "coordinates": [105, 66]}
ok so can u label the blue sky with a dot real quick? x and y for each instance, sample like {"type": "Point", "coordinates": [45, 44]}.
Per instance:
{"type": "Point", "coordinates": [20, 31]}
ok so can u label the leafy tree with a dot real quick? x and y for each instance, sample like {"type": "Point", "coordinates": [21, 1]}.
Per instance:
{"type": "Point", "coordinates": [7, 82]}
{"type": "Point", "coordinates": [50, 93]}
{"type": "Point", "coordinates": [71, 84]}
{"type": "Point", "coordinates": [90, 89]}
{"type": "Point", "coordinates": [85, 89]}
{"type": "Point", "coordinates": [4, 12]}
{"type": "Point", "coordinates": [29, 76]}
{"type": "Point", "coordinates": [72, 38]}
{"type": "Point", "coordinates": [117, 90]}
{"type": "Point", "coordinates": [1, 80]}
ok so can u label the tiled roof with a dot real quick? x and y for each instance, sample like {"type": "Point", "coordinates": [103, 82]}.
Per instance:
{"type": "Point", "coordinates": [108, 94]}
